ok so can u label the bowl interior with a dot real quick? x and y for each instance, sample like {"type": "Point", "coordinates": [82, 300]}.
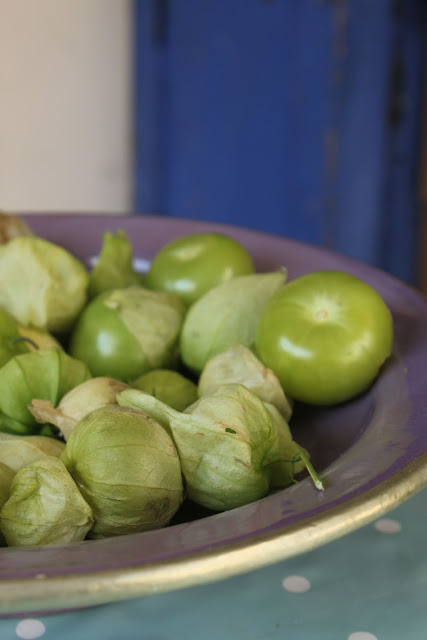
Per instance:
{"type": "Point", "coordinates": [356, 446]}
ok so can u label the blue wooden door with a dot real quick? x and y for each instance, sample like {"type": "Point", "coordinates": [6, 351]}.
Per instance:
{"type": "Point", "coordinates": [297, 117]}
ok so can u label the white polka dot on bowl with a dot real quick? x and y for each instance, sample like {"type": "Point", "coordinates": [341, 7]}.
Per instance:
{"type": "Point", "coordinates": [388, 525]}
{"type": "Point", "coordinates": [362, 635]}
{"type": "Point", "coordinates": [30, 628]}
{"type": "Point", "coordinates": [296, 584]}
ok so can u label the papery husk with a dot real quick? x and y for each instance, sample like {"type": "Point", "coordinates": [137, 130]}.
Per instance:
{"type": "Point", "coordinates": [46, 375]}
{"type": "Point", "coordinates": [229, 444]}
{"type": "Point", "coordinates": [45, 507]}
{"type": "Point", "coordinates": [6, 476]}
{"type": "Point", "coordinates": [151, 321]}
{"type": "Point", "coordinates": [17, 451]}
{"type": "Point", "coordinates": [41, 284]}
{"type": "Point", "coordinates": [154, 318]}
{"type": "Point", "coordinates": [226, 315]}
{"type": "Point", "coordinates": [127, 469]}
{"type": "Point", "coordinates": [77, 403]}
{"type": "Point", "coordinates": [238, 364]}
{"type": "Point", "coordinates": [114, 268]}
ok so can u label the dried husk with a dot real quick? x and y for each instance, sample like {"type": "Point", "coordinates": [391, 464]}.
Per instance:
{"type": "Point", "coordinates": [77, 403]}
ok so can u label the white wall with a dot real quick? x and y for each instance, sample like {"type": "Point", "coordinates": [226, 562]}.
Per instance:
{"type": "Point", "coordinates": [65, 105]}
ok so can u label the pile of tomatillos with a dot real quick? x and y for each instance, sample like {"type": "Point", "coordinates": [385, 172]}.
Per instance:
{"type": "Point", "coordinates": [123, 394]}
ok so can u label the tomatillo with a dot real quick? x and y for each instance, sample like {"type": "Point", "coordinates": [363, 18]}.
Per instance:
{"type": "Point", "coordinates": [325, 335]}
{"type": "Point", "coordinates": [124, 333]}
{"type": "Point", "coordinates": [191, 265]}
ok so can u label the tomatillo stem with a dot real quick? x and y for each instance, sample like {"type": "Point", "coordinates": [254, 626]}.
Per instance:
{"type": "Point", "coordinates": [313, 474]}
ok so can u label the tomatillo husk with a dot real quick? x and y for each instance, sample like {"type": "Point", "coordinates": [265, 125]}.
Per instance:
{"type": "Point", "coordinates": [41, 284]}
{"type": "Point", "coordinates": [238, 364]}
{"type": "Point", "coordinates": [18, 451]}
{"type": "Point", "coordinates": [47, 374]}
{"type": "Point", "coordinates": [127, 469]}
{"type": "Point", "coordinates": [6, 476]}
{"type": "Point", "coordinates": [77, 403]}
{"type": "Point", "coordinates": [233, 448]}
{"type": "Point", "coordinates": [114, 268]}
{"type": "Point", "coordinates": [45, 507]}
{"type": "Point", "coordinates": [144, 323]}
{"type": "Point", "coordinates": [226, 315]}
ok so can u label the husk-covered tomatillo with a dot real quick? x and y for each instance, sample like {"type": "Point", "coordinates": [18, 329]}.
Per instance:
{"type": "Point", "coordinates": [127, 469]}
{"type": "Point", "coordinates": [233, 448]}
{"type": "Point", "coordinates": [77, 403]}
{"type": "Point", "coordinates": [47, 374]}
{"type": "Point", "coordinates": [125, 332]}
{"type": "Point", "coordinates": [41, 284]}
{"type": "Point", "coordinates": [45, 507]}
{"type": "Point", "coordinates": [18, 451]}
{"type": "Point", "coordinates": [238, 364]}
{"type": "Point", "coordinates": [226, 315]}
{"type": "Point", "coordinates": [6, 476]}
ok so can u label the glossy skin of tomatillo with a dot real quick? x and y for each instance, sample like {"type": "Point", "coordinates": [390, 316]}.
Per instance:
{"type": "Point", "coordinates": [191, 265]}
{"type": "Point", "coordinates": [325, 335]}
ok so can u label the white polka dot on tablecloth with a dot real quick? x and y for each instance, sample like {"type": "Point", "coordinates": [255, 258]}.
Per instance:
{"type": "Point", "coordinates": [388, 525]}
{"type": "Point", "coordinates": [30, 628]}
{"type": "Point", "coordinates": [296, 584]}
{"type": "Point", "coordinates": [362, 635]}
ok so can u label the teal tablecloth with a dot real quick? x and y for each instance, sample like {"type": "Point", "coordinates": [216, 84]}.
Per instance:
{"type": "Point", "coordinates": [369, 585]}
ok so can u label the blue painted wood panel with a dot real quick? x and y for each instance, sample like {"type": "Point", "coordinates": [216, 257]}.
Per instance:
{"type": "Point", "coordinates": [276, 115]}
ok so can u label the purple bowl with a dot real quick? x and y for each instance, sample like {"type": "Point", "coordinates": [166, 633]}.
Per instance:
{"type": "Point", "coordinates": [371, 452]}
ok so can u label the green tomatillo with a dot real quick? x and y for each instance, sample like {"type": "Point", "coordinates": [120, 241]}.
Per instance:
{"type": "Point", "coordinates": [325, 335]}
{"type": "Point", "coordinates": [191, 265]}
{"type": "Point", "coordinates": [169, 386]}
{"type": "Point", "coordinates": [126, 332]}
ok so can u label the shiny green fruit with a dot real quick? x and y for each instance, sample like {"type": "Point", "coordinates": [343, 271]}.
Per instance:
{"type": "Point", "coordinates": [325, 335]}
